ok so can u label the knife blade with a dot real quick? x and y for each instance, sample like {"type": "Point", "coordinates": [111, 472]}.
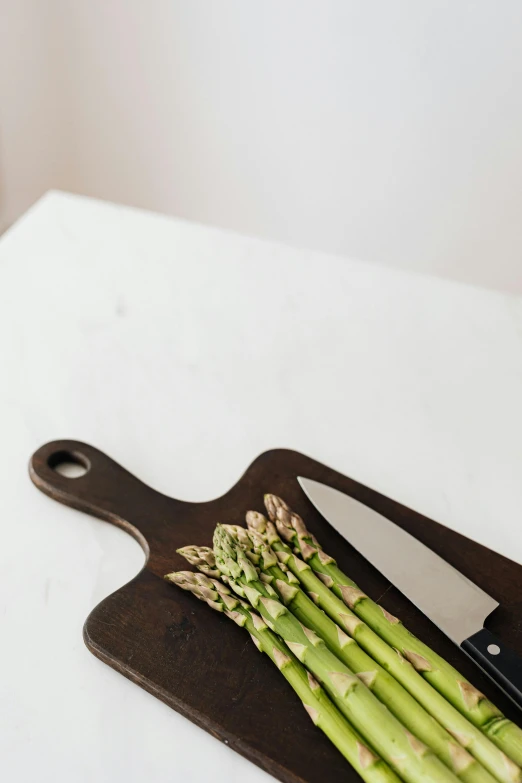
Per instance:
{"type": "Point", "coordinates": [450, 600]}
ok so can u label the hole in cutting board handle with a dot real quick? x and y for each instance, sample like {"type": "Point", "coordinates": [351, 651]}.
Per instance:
{"type": "Point", "coordinates": [104, 489]}
{"type": "Point", "coordinates": [70, 464]}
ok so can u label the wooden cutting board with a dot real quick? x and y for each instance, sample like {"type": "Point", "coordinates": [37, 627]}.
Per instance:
{"type": "Point", "coordinates": [198, 661]}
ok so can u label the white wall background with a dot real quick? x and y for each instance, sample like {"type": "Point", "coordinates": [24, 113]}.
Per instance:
{"type": "Point", "coordinates": [390, 130]}
{"type": "Point", "coordinates": [33, 125]}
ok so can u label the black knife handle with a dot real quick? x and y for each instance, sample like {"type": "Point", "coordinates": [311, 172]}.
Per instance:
{"type": "Point", "coordinates": [502, 664]}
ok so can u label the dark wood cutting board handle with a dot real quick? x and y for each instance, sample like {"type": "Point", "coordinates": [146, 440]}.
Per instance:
{"type": "Point", "coordinates": [106, 490]}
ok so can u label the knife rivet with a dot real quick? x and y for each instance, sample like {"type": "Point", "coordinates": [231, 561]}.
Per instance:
{"type": "Point", "coordinates": [493, 649]}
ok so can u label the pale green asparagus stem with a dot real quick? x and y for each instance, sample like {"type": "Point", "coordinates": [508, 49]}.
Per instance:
{"type": "Point", "coordinates": [489, 755]}
{"type": "Point", "coordinates": [398, 700]}
{"type": "Point", "coordinates": [410, 758]}
{"type": "Point", "coordinates": [438, 672]}
{"type": "Point", "coordinates": [323, 713]}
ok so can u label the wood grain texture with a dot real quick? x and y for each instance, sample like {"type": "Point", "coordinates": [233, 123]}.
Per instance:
{"type": "Point", "coordinates": [200, 663]}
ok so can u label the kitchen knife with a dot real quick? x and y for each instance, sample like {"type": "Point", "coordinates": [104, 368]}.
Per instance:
{"type": "Point", "coordinates": [450, 600]}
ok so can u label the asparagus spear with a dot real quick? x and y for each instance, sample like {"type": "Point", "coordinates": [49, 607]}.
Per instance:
{"type": "Point", "coordinates": [491, 757]}
{"type": "Point", "coordinates": [406, 754]}
{"type": "Point", "coordinates": [203, 558]}
{"type": "Point", "coordinates": [444, 678]}
{"type": "Point", "coordinates": [315, 701]}
{"type": "Point", "coordinates": [406, 708]}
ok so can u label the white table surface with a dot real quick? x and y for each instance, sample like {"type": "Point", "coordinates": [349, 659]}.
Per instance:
{"type": "Point", "coordinates": [183, 352]}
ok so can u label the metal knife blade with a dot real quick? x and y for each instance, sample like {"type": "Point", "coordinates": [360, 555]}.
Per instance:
{"type": "Point", "coordinates": [454, 603]}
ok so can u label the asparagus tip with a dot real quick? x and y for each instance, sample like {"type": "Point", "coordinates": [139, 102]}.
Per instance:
{"type": "Point", "coordinates": [256, 521]}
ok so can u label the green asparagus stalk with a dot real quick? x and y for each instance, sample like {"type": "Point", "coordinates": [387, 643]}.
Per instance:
{"type": "Point", "coordinates": [438, 672]}
{"type": "Point", "coordinates": [403, 751]}
{"type": "Point", "coordinates": [315, 701]}
{"type": "Point", "coordinates": [491, 757]}
{"type": "Point", "coordinates": [380, 681]}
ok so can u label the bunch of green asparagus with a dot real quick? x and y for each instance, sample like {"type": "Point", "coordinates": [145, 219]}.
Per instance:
{"type": "Point", "coordinates": [394, 708]}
